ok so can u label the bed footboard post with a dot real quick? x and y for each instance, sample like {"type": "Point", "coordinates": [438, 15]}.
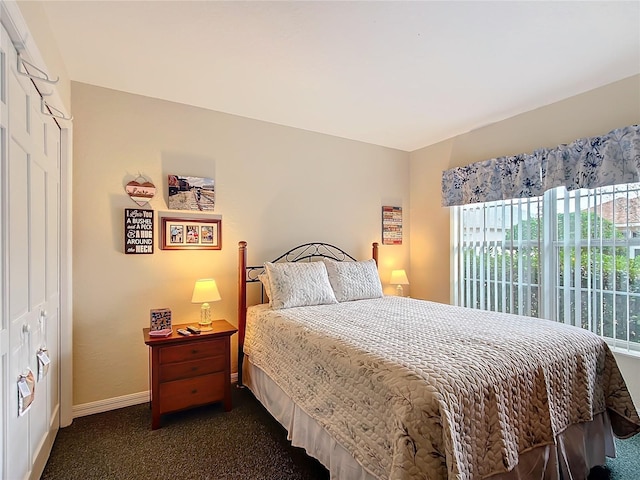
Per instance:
{"type": "Point", "coordinates": [374, 253]}
{"type": "Point", "coordinates": [242, 304]}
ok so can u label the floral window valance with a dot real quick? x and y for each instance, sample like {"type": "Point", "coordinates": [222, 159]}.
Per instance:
{"type": "Point", "coordinates": [593, 162]}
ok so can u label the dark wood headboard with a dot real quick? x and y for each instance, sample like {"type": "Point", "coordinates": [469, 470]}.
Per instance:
{"type": "Point", "coordinates": [249, 274]}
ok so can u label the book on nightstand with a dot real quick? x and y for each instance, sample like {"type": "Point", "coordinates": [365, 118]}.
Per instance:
{"type": "Point", "coordinates": [165, 332]}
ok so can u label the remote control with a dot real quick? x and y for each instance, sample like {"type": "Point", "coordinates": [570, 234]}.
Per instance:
{"type": "Point", "coordinates": [193, 329]}
{"type": "Point", "coordinates": [184, 332]}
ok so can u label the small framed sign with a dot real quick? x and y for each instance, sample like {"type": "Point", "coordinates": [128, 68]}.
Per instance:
{"type": "Point", "coordinates": [191, 234]}
{"type": "Point", "coordinates": [138, 231]}
{"type": "Point", "coordinates": [160, 318]}
{"type": "Point", "coordinates": [392, 225]}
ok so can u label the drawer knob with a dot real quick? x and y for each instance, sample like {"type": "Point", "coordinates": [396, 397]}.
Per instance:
{"type": "Point", "coordinates": [194, 351]}
{"type": "Point", "coordinates": [195, 390]}
{"type": "Point", "coordinates": [194, 369]}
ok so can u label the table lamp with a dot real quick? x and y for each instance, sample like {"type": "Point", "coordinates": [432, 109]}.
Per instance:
{"type": "Point", "coordinates": [399, 278]}
{"type": "Point", "coordinates": [205, 291]}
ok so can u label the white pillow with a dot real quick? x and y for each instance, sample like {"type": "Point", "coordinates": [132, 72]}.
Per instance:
{"type": "Point", "coordinates": [298, 284]}
{"type": "Point", "coordinates": [354, 280]}
{"type": "Point", "coordinates": [264, 279]}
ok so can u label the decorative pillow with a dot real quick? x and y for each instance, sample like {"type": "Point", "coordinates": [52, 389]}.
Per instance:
{"type": "Point", "coordinates": [354, 280]}
{"type": "Point", "coordinates": [298, 284]}
{"type": "Point", "coordinates": [264, 279]}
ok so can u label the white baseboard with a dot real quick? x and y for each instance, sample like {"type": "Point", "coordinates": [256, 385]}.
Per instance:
{"type": "Point", "coordinates": [110, 404]}
{"type": "Point", "coordinates": [114, 403]}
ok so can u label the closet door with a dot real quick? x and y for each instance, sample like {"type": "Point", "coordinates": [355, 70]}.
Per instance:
{"type": "Point", "coordinates": [4, 322]}
{"type": "Point", "coordinates": [32, 182]}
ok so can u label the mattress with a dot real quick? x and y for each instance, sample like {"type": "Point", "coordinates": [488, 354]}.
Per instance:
{"type": "Point", "coordinates": [415, 389]}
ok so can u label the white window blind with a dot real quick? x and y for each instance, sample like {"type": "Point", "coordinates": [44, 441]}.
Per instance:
{"type": "Point", "coordinates": [498, 261]}
{"type": "Point", "coordinates": [573, 257]}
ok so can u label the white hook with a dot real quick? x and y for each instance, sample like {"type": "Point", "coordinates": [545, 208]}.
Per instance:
{"type": "Point", "coordinates": [42, 75]}
{"type": "Point", "coordinates": [51, 111]}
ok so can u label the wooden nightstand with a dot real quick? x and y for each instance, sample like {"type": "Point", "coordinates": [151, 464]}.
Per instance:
{"type": "Point", "coordinates": [188, 371]}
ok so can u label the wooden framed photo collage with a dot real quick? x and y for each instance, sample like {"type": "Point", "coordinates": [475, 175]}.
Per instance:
{"type": "Point", "coordinates": [191, 234]}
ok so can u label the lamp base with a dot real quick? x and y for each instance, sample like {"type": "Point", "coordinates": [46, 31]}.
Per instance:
{"type": "Point", "coordinates": [205, 318]}
{"type": "Point", "coordinates": [399, 291]}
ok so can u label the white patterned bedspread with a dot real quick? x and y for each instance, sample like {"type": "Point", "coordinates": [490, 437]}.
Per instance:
{"type": "Point", "coordinates": [416, 389]}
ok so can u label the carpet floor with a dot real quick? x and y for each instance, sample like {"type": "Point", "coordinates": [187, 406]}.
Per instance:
{"type": "Point", "coordinates": [201, 444]}
{"type": "Point", "coordinates": [626, 465]}
{"type": "Point", "coordinates": [207, 443]}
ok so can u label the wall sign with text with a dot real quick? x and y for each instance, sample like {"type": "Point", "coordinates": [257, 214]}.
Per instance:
{"type": "Point", "coordinates": [138, 231]}
{"type": "Point", "coordinates": [392, 225]}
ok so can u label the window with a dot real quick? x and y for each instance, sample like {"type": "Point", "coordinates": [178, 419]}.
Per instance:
{"type": "Point", "coordinates": [569, 256]}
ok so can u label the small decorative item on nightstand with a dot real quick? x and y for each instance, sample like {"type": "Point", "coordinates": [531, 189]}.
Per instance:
{"type": "Point", "coordinates": [205, 291]}
{"type": "Point", "coordinates": [399, 278]}
{"type": "Point", "coordinates": [160, 322]}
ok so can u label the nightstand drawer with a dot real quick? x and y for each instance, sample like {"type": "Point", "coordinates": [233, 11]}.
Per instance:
{"type": "Point", "coordinates": [192, 351]}
{"type": "Point", "coordinates": [179, 370]}
{"type": "Point", "coordinates": [191, 392]}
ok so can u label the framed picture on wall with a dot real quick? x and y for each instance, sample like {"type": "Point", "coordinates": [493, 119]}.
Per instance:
{"type": "Point", "coordinates": [191, 234]}
{"type": "Point", "coordinates": [391, 225]}
{"type": "Point", "coordinates": [138, 231]}
{"type": "Point", "coordinates": [191, 193]}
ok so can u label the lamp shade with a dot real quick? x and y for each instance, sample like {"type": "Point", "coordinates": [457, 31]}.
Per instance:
{"type": "Point", "coordinates": [399, 277]}
{"type": "Point", "coordinates": [205, 291]}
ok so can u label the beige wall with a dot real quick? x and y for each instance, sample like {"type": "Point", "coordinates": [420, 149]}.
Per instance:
{"type": "Point", "coordinates": [276, 187]}
{"type": "Point", "coordinates": [593, 113]}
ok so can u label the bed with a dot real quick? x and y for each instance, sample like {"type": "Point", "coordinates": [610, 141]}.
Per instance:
{"type": "Point", "coordinates": [379, 387]}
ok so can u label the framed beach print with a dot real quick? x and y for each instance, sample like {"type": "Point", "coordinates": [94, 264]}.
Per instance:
{"type": "Point", "coordinates": [191, 234]}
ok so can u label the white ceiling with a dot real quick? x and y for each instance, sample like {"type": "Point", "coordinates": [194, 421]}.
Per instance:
{"type": "Point", "coordinates": [398, 74]}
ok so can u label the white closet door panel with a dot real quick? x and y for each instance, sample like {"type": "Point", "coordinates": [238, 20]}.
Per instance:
{"type": "Point", "coordinates": [38, 418]}
{"type": "Point", "coordinates": [44, 260]}
{"type": "Point", "coordinates": [37, 235]}
{"type": "Point", "coordinates": [18, 454]}
{"type": "Point", "coordinates": [39, 169]}
{"type": "Point", "coordinates": [18, 166]}
{"type": "Point", "coordinates": [52, 151]}
{"type": "Point", "coordinates": [18, 451]}
{"type": "Point", "coordinates": [19, 108]}
{"type": "Point", "coordinates": [53, 376]}
{"type": "Point", "coordinates": [37, 127]}
{"type": "Point", "coordinates": [52, 305]}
